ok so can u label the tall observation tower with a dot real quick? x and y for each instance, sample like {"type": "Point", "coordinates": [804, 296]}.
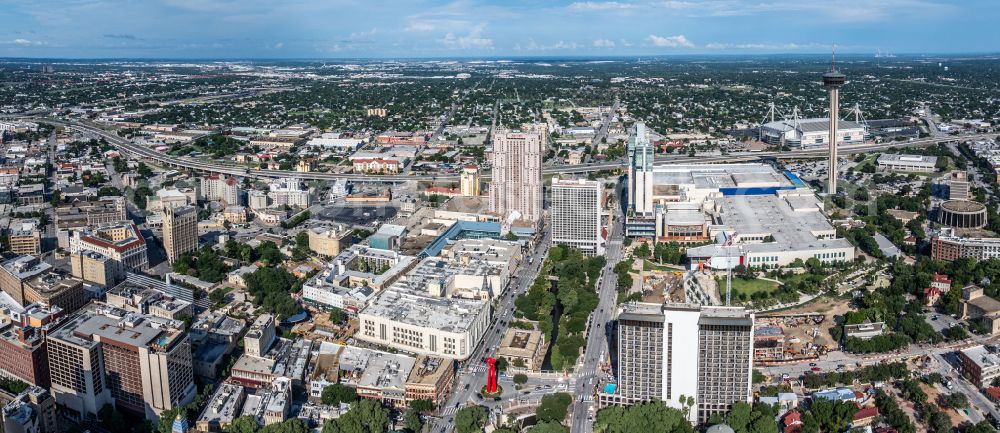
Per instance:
{"type": "Point", "coordinates": [832, 81]}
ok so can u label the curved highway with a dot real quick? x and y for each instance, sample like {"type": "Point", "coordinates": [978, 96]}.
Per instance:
{"type": "Point", "coordinates": [139, 151]}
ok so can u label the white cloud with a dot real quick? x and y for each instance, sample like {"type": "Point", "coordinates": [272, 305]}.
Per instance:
{"type": "Point", "coordinates": [604, 43]}
{"type": "Point", "coordinates": [472, 40]}
{"type": "Point", "coordinates": [24, 43]}
{"type": "Point", "coordinates": [363, 35]}
{"type": "Point", "coordinates": [757, 46]}
{"type": "Point", "coordinates": [419, 26]}
{"type": "Point", "coordinates": [588, 6]}
{"type": "Point", "coordinates": [679, 41]}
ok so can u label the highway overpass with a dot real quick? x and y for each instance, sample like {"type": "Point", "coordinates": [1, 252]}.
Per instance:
{"type": "Point", "coordinates": [142, 152]}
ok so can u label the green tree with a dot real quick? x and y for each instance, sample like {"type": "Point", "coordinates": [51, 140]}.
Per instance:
{"type": "Point", "coordinates": [548, 427]}
{"type": "Point", "coordinates": [337, 315]}
{"type": "Point", "coordinates": [412, 422]}
{"type": "Point", "coordinates": [553, 407]}
{"type": "Point", "coordinates": [421, 406]}
{"type": "Point", "coordinates": [292, 425]}
{"type": "Point", "coordinates": [981, 427]}
{"type": "Point", "coordinates": [243, 424]}
{"type": "Point", "coordinates": [269, 253]}
{"type": "Point", "coordinates": [468, 419]}
{"type": "Point", "coordinates": [270, 288]}
{"type": "Point", "coordinates": [520, 378]}
{"type": "Point", "coordinates": [501, 364]}
{"type": "Point", "coordinates": [642, 251]}
{"type": "Point", "coordinates": [365, 416]}
{"type": "Point", "coordinates": [301, 249]}
{"type": "Point", "coordinates": [653, 417]}
{"type": "Point", "coordinates": [828, 416]}
{"type": "Point", "coordinates": [956, 400]}
{"type": "Point", "coordinates": [338, 393]}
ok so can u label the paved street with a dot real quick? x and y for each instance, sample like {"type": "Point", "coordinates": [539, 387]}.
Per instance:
{"type": "Point", "coordinates": [597, 341]}
{"type": "Point", "coordinates": [469, 382]}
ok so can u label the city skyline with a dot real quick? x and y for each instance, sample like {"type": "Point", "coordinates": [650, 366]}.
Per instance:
{"type": "Point", "coordinates": [223, 29]}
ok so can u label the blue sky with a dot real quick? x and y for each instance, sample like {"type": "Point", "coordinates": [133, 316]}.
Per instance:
{"type": "Point", "coordinates": [489, 28]}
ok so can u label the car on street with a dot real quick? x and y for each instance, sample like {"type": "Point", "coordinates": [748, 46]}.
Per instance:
{"type": "Point", "coordinates": [815, 369]}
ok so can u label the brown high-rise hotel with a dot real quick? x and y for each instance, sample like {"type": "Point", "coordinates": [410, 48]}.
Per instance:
{"type": "Point", "coordinates": [516, 186]}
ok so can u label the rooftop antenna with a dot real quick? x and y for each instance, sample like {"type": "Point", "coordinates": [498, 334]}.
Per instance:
{"type": "Point", "coordinates": [833, 59]}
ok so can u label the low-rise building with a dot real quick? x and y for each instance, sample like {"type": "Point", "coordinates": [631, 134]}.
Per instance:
{"type": "Point", "coordinates": [121, 242]}
{"type": "Point", "coordinates": [329, 240]}
{"type": "Point", "coordinates": [29, 280]}
{"type": "Point", "coordinates": [32, 411]}
{"type": "Point", "coordinates": [23, 352]}
{"type": "Point", "coordinates": [376, 166]}
{"type": "Point", "coordinates": [907, 163]}
{"type": "Point", "coordinates": [523, 348]}
{"type": "Point", "coordinates": [976, 305]}
{"type": "Point", "coordinates": [235, 214]}
{"type": "Point", "coordinates": [135, 297]}
{"type": "Point", "coordinates": [354, 276]}
{"type": "Point", "coordinates": [23, 237]}
{"type": "Point", "coordinates": [222, 409]}
{"type": "Point", "coordinates": [286, 359]}
{"type": "Point", "coordinates": [96, 268]}
{"type": "Point", "coordinates": [864, 331]}
{"type": "Point", "coordinates": [81, 214]}
{"type": "Point", "coordinates": [271, 404]}
{"type": "Point", "coordinates": [289, 192]}
{"type": "Point", "coordinates": [431, 379]}
{"type": "Point", "coordinates": [979, 365]}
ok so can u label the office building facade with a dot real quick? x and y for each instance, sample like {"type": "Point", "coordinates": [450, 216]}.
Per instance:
{"type": "Point", "coordinates": [470, 181]}
{"type": "Point", "coordinates": [180, 231]}
{"type": "Point", "coordinates": [105, 355]}
{"type": "Point", "coordinates": [576, 215]}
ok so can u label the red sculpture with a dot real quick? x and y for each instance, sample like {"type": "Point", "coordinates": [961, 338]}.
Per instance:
{"type": "Point", "coordinates": [491, 378]}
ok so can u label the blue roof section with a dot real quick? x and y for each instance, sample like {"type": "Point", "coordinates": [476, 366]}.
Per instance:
{"type": "Point", "coordinates": [839, 394]}
{"type": "Point", "coordinates": [769, 331]}
{"type": "Point", "coordinates": [792, 177]}
{"type": "Point", "coordinates": [610, 388]}
{"type": "Point", "coordinates": [798, 182]}
{"type": "Point", "coordinates": [753, 191]}
{"type": "Point", "coordinates": [475, 229]}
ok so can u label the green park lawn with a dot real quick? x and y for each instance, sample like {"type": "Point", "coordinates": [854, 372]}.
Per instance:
{"type": "Point", "coordinates": [748, 287]}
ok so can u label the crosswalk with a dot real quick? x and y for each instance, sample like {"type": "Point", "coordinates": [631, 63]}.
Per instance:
{"type": "Point", "coordinates": [449, 411]}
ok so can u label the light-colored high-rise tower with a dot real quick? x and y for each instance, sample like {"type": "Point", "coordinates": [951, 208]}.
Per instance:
{"type": "Point", "coordinates": [470, 181]}
{"type": "Point", "coordinates": [576, 215]}
{"type": "Point", "coordinates": [516, 185]}
{"type": "Point", "coordinates": [833, 81]}
{"type": "Point", "coordinates": [219, 187]}
{"type": "Point", "coordinates": [640, 171]}
{"type": "Point", "coordinates": [180, 231]}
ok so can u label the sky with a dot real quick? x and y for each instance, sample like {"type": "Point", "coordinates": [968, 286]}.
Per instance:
{"type": "Point", "coordinates": [277, 29]}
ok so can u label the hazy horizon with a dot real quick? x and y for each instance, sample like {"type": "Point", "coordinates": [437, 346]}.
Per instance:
{"type": "Point", "coordinates": [338, 29]}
